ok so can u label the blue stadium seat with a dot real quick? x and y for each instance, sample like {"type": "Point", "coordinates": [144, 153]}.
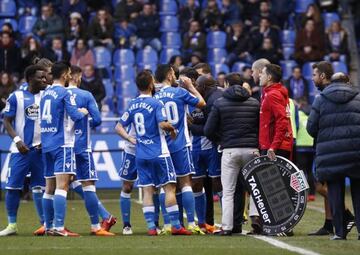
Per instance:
{"type": "Point", "coordinates": [150, 66]}
{"type": "Point", "coordinates": [217, 68]}
{"type": "Point", "coordinates": [26, 24]}
{"type": "Point", "coordinates": [102, 57]}
{"type": "Point", "coordinates": [124, 72]}
{"type": "Point", "coordinates": [288, 52]}
{"type": "Point", "coordinates": [7, 8]}
{"type": "Point", "coordinates": [123, 103]}
{"type": "Point", "coordinates": [307, 70]}
{"type": "Point", "coordinates": [123, 57]}
{"type": "Point", "coordinates": [329, 18]}
{"type": "Point", "coordinates": [238, 66]}
{"type": "Point", "coordinates": [216, 56]}
{"type": "Point", "coordinates": [171, 40]}
{"type": "Point", "coordinates": [288, 37]}
{"type": "Point", "coordinates": [216, 39]}
{"type": "Point", "coordinates": [287, 67]}
{"type": "Point", "coordinates": [146, 56]}
{"type": "Point", "coordinates": [13, 23]}
{"type": "Point", "coordinates": [109, 88]}
{"type": "Point", "coordinates": [126, 88]}
{"type": "Point", "coordinates": [340, 67]}
{"type": "Point", "coordinates": [169, 23]}
{"type": "Point", "coordinates": [166, 54]}
{"type": "Point", "coordinates": [313, 91]}
{"type": "Point", "coordinates": [168, 7]}
{"type": "Point", "coordinates": [301, 5]}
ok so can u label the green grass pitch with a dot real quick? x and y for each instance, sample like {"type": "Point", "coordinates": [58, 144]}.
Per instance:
{"type": "Point", "coordinates": [77, 220]}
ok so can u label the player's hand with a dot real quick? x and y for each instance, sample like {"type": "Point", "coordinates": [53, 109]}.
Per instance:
{"type": "Point", "coordinates": [187, 82]}
{"type": "Point", "coordinates": [132, 140]}
{"type": "Point", "coordinates": [23, 149]}
{"type": "Point", "coordinates": [189, 119]}
{"type": "Point", "coordinates": [83, 110]}
{"type": "Point", "coordinates": [173, 134]}
{"type": "Point", "coordinates": [271, 154]}
{"type": "Point", "coordinates": [256, 153]}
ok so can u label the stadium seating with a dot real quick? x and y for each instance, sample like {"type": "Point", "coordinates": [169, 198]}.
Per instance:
{"type": "Point", "coordinates": [169, 23]}
{"type": "Point", "coordinates": [150, 66]}
{"type": "Point", "coordinates": [288, 52]}
{"type": "Point", "coordinates": [171, 40]}
{"type": "Point", "coordinates": [340, 67]}
{"type": "Point", "coordinates": [146, 56]}
{"type": "Point", "coordinates": [288, 38]}
{"type": "Point", "coordinates": [13, 23]}
{"type": "Point", "coordinates": [102, 57]}
{"type": "Point", "coordinates": [217, 68]}
{"type": "Point", "coordinates": [329, 18]}
{"type": "Point", "coordinates": [301, 5]}
{"type": "Point", "coordinates": [124, 72]}
{"type": "Point", "coordinates": [168, 7]}
{"type": "Point", "coordinates": [238, 66]}
{"type": "Point", "coordinates": [216, 39]}
{"type": "Point", "coordinates": [313, 91]}
{"type": "Point", "coordinates": [26, 24]}
{"type": "Point", "coordinates": [122, 103]}
{"type": "Point", "coordinates": [109, 88]}
{"type": "Point", "coordinates": [7, 8]}
{"type": "Point", "coordinates": [123, 57]}
{"type": "Point", "coordinates": [217, 56]}
{"type": "Point", "coordinates": [166, 54]}
{"type": "Point", "coordinates": [307, 70]}
{"type": "Point", "coordinates": [287, 67]}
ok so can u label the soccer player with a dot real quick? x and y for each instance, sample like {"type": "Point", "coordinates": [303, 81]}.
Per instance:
{"type": "Point", "coordinates": [153, 161]}
{"type": "Point", "coordinates": [85, 168]}
{"type": "Point", "coordinates": [176, 101]}
{"type": "Point", "coordinates": [23, 107]}
{"type": "Point", "coordinates": [57, 138]}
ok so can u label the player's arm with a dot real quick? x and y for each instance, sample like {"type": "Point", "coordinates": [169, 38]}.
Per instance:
{"type": "Point", "coordinates": [162, 120]}
{"type": "Point", "coordinates": [190, 87]}
{"type": "Point", "coordinates": [312, 125]}
{"type": "Point", "coordinates": [121, 131]}
{"type": "Point", "coordinates": [166, 126]}
{"type": "Point", "coordinates": [212, 123]}
{"type": "Point", "coordinates": [75, 113]}
{"type": "Point", "coordinates": [93, 111]}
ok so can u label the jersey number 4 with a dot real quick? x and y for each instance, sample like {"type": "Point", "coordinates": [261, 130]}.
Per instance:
{"type": "Point", "coordinates": [46, 111]}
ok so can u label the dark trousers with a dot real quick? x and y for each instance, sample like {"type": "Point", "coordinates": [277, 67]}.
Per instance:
{"type": "Point", "coordinates": [209, 200]}
{"type": "Point", "coordinates": [304, 160]}
{"type": "Point", "coordinates": [336, 196]}
{"type": "Point", "coordinates": [239, 202]}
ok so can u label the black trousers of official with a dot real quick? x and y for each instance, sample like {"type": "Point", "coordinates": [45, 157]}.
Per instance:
{"type": "Point", "coordinates": [336, 196]}
{"type": "Point", "coordinates": [239, 202]}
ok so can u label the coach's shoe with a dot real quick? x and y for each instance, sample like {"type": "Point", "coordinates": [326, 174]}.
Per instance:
{"type": "Point", "coordinates": [65, 232]}
{"type": "Point", "coordinates": [127, 231]}
{"type": "Point", "coordinates": [40, 231]}
{"type": "Point", "coordinates": [256, 225]}
{"type": "Point", "coordinates": [152, 232]}
{"type": "Point", "coordinates": [10, 230]}
{"type": "Point", "coordinates": [165, 231]}
{"type": "Point", "coordinates": [196, 230]}
{"type": "Point", "coordinates": [108, 223]}
{"type": "Point", "coordinates": [350, 223]}
{"type": "Point", "coordinates": [222, 232]}
{"type": "Point", "coordinates": [237, 230]}
{"type": "Point", "coordinates": [336, 238]}
{"type": "Point", "coordinates": [286, 234]}
{"type": "Point", "coordinates": [321, 232]}
{"type": "Point", "coordinates": [101, 232]}
{"type": "Point", "coordinates": [180, 232]}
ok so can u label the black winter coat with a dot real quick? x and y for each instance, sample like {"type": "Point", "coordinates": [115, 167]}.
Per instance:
{"type": "Point", "coordinates": [235, 116]}
{"type": "Point", "coordinates": [335, 123]}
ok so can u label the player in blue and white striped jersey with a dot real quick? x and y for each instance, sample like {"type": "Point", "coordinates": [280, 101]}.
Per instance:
{"type": "Point", "coordinates": [57, 138]}
{"type": "Point", "coordinates": [23, 108]}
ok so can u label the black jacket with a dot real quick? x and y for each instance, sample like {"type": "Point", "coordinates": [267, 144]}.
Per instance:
{"type": "Point", "coordinates": [335, 123]}
{"type": "Point", "coordinates": [96, 87]}
{"type": "Point", "coordinates": [235, 117]}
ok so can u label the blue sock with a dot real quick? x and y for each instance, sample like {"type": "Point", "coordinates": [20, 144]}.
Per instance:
{"type": "Point", "coordinates": [163, 208]}
{"type": "Point", "coordinates": [157, 208]}
{"type": "Point", "coordinates": [91, 204]}
{"type": "Point", "coordinates": [180, 205]}
{"type": "Point", "coordinates": [48, 208]}
{"type": "Point", "coordinates": [188, 203]}
{"type": "Point", "coordinates": [59, 208]}
{"type": "Point", "coordinates": [200, 206]}
{"type": "Point", "coordinates": [173, 212]}
{"type": "Point", "coordinates": [37, 195]}
{"type": "Point", "coordinates": [125, 207]}
{"type": "Point", "coordinates": [77, 187]}
{"type": "Point", "coordinates": [149, 214]}
{"type": "Point", "coordinates": [104, 214]}
{"type": "Point", "coordinates": [12, 201]}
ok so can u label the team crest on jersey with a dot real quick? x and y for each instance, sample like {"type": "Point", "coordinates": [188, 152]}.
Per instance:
{"type": "Point", "coordinates": [125, 116]}
{"type": "Point", "coordinates": [32, 112]}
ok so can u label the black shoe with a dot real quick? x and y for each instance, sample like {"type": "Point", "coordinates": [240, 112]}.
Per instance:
{"type": "Point", "coordinates": [223, 233]}
{"type": "Point", "coordinates": [349, 225]}
{"type": "Point", "coordinates": [321, 232]}
{"type": "Point", "coordinates": [289, 233]}
{"type": "Point", "coordinates": [237, 230]}
{"type": "Point", "coordinates": [336, 238]}
{"type": "Point", "coordinates": [256, 225]}
{"type": "Point", "coordinates": [358, 237]}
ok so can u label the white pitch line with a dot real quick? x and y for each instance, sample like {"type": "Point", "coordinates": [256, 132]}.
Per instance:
{"type": "Point", "coordinates": [315, 208]}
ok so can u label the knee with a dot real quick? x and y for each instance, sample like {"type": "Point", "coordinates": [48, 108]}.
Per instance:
{"type": "Point", "coordinates": [127, 187]}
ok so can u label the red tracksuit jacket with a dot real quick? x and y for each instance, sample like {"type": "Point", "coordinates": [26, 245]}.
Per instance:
{"type": "Point", "coordinates": [275, 126]}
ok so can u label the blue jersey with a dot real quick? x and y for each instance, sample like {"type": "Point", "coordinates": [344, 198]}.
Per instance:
{"type": "Point", "coordinates": [25, 108]}
{"type": "Point", "coordinates": [84, 99]}
{"type": "Point", "coordinates": [146, 113]}
{"type": "Point", "coordinates": [199, 143]}
{"type": "Point", "coordinates": [24, 86]}
{"type": "Point", "coordinates": [176, 101]}
{"type": "Point", "coordinates": [57, 130]}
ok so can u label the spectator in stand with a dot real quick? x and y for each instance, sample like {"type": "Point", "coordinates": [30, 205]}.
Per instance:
{"type": "Point", "coordinates": [265, 12]}
{"type": "Point", "coordinates": [190, 11]}
{"type": "Point", "coordinates": [221, 79]}
{"type": "Point", "coordinates": [298, 88]}
{"type": "Point", "coordinates": [251, 9]}
{"type": "Point", "coordinates": [211, 15]}
{"type": "Point", "coordinates": [101, 29]}
{"type": "Point", "coordinates": [230, 12]}
{"type": "Point", "coordinates": [92, 83]}
{"type": "Point", "coordinates": [337, 43]}
{"type": "Point", "coordinates": [268, 51]}
{"type": "Point", "coordinates": [27, 7]}
{"type": "Point", "coordinates": [9, 54]}
{"type": "Point", "coordinates": [247, 77]}
{"type": "Point", "coordinates": [309, 44]}
{"type": "Point", "coordinates": [30, 50]}
{"type": "Point", "coordinates": [282, 9]}
{"type": "Point", "coordinates": [177, 62]}
{"type": "Point", "coordinates": [7, 27]}
{"type": "Point", "coordinates": [265, 30]}
{"type": "Point", "coordinates": [147, 24]}
{"type": "Point", "coordinates": [82, 55]}
{"type": "Point", "coordinates": [48, 25]}
{"type": "Point", "coordinates": [195, 59]}
{"type": "Point", "coordinates": [7, 86]}
{"type": "Point", "coordinates": [71, 6]}
{"type": "Point", "coordinates": [127, 9]}
{"type": "Point", "coordinates": [125, 36]}
{"type": "Point", "coordinates": [312, 12]}
{"type": "Point", "coordinates": [74, 30]}
{"type": "Point", "coordinates": [57, 52]}
{"type": "Point", "coordinates": [238, 45]}
{"type": "Point", "coordinates": [194, 41]}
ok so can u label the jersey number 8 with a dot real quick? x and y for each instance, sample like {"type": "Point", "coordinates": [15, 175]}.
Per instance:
{"type": "Point", "coordinates": [139, 123]}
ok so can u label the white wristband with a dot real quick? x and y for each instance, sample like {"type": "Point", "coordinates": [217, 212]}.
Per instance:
{"type": "Point", "coordinates": [17, 139]}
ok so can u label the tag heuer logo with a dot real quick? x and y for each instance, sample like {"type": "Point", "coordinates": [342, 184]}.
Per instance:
{"type": "Point", "coordinates": [298, 181]}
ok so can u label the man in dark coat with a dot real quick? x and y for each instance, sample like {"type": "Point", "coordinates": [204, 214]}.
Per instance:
{"type": "Point", "coordinates": [9, 54]}
{"type": "Point", "coordinates": [335, 123]}
{"type": "Point", "coordinates": [235, 117]}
